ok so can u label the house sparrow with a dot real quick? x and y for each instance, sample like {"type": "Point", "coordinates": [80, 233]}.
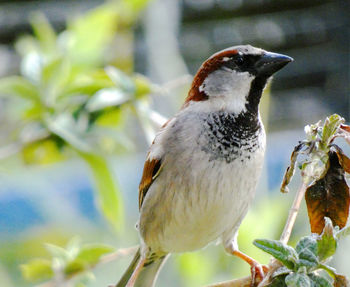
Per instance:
{"type": "Point", "coordinates": [202, 169]}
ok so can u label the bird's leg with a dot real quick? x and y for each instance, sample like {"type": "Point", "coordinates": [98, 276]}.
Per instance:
{"type": "Point", "coordinates": [257, 270]}
{"type": "Point", "coordinates": [136, 272]}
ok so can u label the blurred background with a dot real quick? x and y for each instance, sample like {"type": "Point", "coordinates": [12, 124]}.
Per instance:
{"type": "Point", "coordinates": [84, 86]}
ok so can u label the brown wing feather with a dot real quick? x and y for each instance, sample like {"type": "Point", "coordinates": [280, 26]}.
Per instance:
{"type": "Point", "coordinates": [151, 170]}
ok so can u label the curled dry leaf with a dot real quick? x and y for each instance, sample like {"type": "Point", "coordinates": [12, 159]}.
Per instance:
{"type": "Point", "coordinates": [343, 159]}
{"type": "Point", "coordinates": [345, 127]}
{"type": "Point", "coordinates": [341, 281]}
{"type": "Point", "coordinates": [329, 196]}
{"type": "Point", "coordinates": [291, 168]}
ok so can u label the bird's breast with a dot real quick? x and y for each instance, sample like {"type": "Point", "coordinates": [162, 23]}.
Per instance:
{"type": "Point", "coordinates": [207, 182]}
{"type": "Point", "coordinates": [228, 137]}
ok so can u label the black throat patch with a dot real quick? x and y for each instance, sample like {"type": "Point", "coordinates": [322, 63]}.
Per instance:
{"type": "Point", "coordinates": [228, 137]}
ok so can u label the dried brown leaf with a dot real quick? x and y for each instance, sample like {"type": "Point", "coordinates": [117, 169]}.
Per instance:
{"type": "Point", "coordinates": [328, 197]}
{"type": "Point", "coordinates": [341, 281]}
{"type": "Point", "coordinates": [291, 168]}
{"type": "Point", "coordinates": [343, 160]}
{"type": "Point", "coordinates": [345, 127]}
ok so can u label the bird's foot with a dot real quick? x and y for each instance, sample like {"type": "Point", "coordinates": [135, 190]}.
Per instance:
{"type": "Point", "coordinates": [258, 272]}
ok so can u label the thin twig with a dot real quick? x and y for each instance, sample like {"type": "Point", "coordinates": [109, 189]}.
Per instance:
{"type": "Point", "coordinates": [176, 83]}
{"type": "Point", "coordinates": [293, 212]}
{"type": "Point", "coordinates": [119, 253]}
{"type": "Point", "coordinates": [241, 282]}
{"type": "Point", "coordinates": [287, 231]}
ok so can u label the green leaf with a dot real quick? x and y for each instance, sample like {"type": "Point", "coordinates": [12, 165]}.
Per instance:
{"type": "Point", "coordinates": [108, 190]}
{"type": "Point", "coordinates": [55, 76]}
{"type": "Point", "coordinates": [112, 118]}
{"type": "Point", "coordinates": [278, 281]}
{"type": "Point", "coordinates": [143, 86]}
{"type": "Point", "coordinates": [308, 259]}
{"type": "Point", "coordinates": [298, 280]}
{"type": "Point", "coordinates": [73, 247]}
{"type": "Point", "coordinates": [307, 252]}
{"type": "Point", "coordinates": [327, 241]}
{"type": "Point", "coordinates": [74, 267]}
{"type": "Point", "coordinates": [307, 243]}
{"type": "Point", "coordinates": [37, 269]}
{"type": "Point", "coordinates": [106, 98]}
{"type": "Point", "coordinates": [330, 270]}
{"type": "Point", "coordinates": [66, 128]}
{"type": "Point", "coordinates": [318, 280]}
{"type": "Point", "coordinates": [284, 253]}
{"type": "Point", "coordinates": [135, 5]}
{"type": "Point", "coordinates": [43, 32]}
{"type": "Point", "coordinates": [109, 139]}
{"type": "Point", "coordinates": [57, 252]}
{"type": "Point", "coordinates": [83, 49]}
{"type": "Point", "coordinates": [86, 84]}
{"type": "Point", "coordinates": [121, 80]}
{"type": "Point", "coordinates": [331, 125]}
{"type": "Point", "coordinates": [91, 254]}
{"type": "Point", "coordinates": [33, 113]}
{"type": "Point", "coordinates": [281, 271]}
{"type": "Point", "coordinates": [42, 152]}
{"type": "Point", "coordinates": [18, 87]}
{"type": "Point", "coordinates": [55, 70]}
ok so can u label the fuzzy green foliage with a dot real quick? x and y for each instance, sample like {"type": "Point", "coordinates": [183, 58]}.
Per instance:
{"type": "Point", "coordinates": [70, 100]}
{"type": "Point", "coordinates": [306, 264]}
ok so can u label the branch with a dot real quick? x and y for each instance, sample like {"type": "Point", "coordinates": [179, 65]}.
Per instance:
{"type": "Point", "coordinates": [119, 253]}
{"type": "Point", "coordinates": [293, 212]}
{"type": "Point", "coordinates": [241, 282]}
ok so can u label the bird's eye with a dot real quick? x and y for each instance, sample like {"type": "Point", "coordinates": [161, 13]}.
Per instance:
{"type": "Point", "coordinates": [233, 63]}
{"type": "Point", "coordinates": [239, 60]}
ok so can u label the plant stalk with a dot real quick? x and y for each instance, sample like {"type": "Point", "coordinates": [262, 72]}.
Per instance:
{"type": "Point", "coordinates": [287, 231]}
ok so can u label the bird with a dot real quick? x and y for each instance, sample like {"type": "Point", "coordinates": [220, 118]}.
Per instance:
{"type": "Point", "coordinates": [202, 169]}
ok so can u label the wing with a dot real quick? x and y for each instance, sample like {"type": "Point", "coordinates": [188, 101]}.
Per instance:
{"type": "Point", "coordinates": [153, 164]}
{"type": "Point", "coordinates": [151, 170]}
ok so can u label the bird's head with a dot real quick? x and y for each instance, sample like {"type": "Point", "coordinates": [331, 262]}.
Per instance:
{"type": "Point", "coordinates": [235, 77]}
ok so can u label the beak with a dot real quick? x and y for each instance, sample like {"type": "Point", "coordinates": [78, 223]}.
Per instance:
{"type": "Point", "coordinates": [270, 63]}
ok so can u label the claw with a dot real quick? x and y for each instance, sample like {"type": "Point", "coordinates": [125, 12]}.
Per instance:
{"type": "Point", "coordinates": [257, 272]}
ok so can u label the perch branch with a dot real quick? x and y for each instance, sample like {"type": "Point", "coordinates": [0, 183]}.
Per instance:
{"type": "Point", "coordinates": [293, 212]}
{"type": "Point", "coordinates": [241, 282]}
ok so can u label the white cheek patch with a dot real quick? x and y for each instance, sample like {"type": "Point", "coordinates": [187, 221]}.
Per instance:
{"type": "Point", "coordinates": [228, 86]}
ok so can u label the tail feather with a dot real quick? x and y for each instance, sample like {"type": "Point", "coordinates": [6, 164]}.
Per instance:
{"type": "Point", "coordinates": [148, 274]}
